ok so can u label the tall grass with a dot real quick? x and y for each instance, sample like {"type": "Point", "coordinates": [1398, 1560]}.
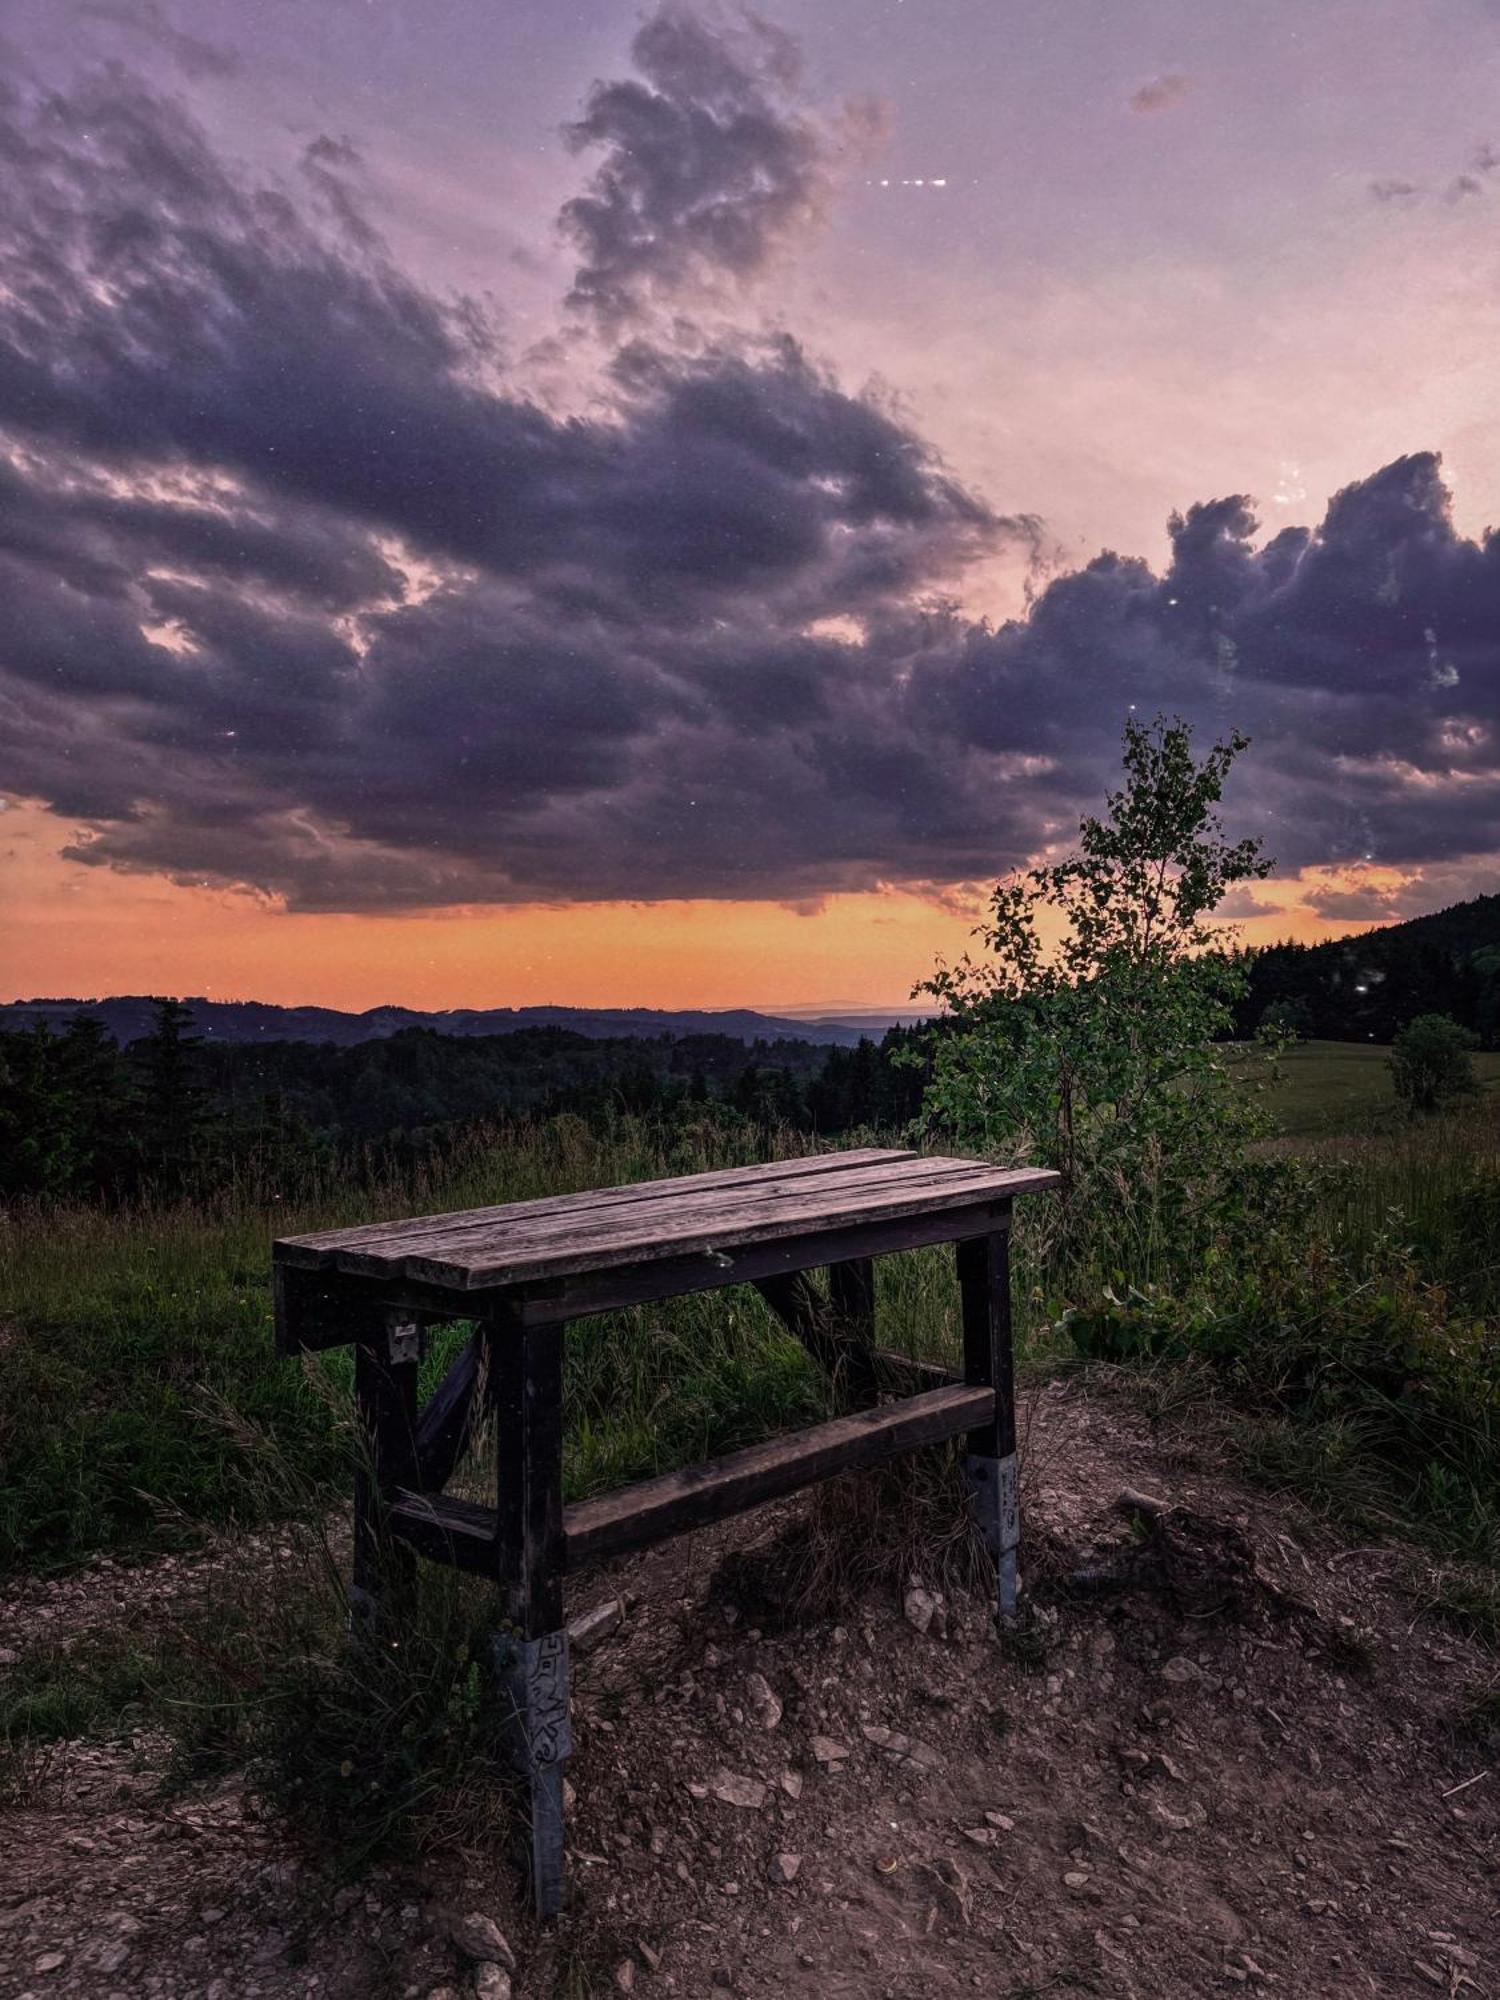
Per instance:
{"type": "Point", "coordinates": [119, 1328]}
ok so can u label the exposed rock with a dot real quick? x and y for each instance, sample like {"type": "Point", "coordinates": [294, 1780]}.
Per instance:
{"type": "Point", "coordinates": [923, 1609]}
{"type": "Point", "coordinates": [791, 1784]}
{"type": "Point", "coordinates": [731, 1788]}
{"type": "Point", "coordinates": [889, 1740]}
{"type": "Point", "coordinates": [590, 1628]}
{"type": "Point", "coordinates": [480, 1939]}
{"type": "Point", "coordinates": [765, 1704]}
{"type": "Point", "coordinates": [828, 1752]}
{"type": "Point", "coordinates": [784, 1867]}
{"type": "Point", "coordinates": [1182, 1671]}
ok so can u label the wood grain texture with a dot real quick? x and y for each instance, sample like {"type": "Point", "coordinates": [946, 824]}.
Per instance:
{"type": "Point", "coordinates": [708, 1214]}
{"type": "Point", "coordinates": [466, 1535]}
{"type": "Point", "coordinates": [312, 1250]}
{"type": "Point", "coordinates": [648, 1513]}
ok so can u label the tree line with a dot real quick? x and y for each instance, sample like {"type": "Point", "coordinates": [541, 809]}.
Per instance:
{"type": "Point", "coordinates": [81, 1118]}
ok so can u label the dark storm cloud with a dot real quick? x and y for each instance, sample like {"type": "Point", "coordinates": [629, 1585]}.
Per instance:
{"type": "Point", "coordinates": [1364, 658]}
{"type": "Point", "coordinates": [303, 594]}
{"type": "Point", "coordinates": [708, 166]}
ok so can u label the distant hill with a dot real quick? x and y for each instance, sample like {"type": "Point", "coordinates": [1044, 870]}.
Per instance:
{"type": "Point", "coordinates": [129, 1016]}
{"type": "Point", "coordinates": [1366, 987]}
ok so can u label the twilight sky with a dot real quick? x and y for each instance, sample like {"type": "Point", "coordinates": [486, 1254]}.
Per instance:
{"type": "Point", "coordinates": [576, 503]}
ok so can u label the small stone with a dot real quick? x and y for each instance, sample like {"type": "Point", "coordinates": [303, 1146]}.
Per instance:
{"type": "Point", "coordinates": [730, 1788]}
{"type": "Point", "coordinates": [625, 1975]}
{"type": "Point", "coordinates": [1076, 1878]}
{"type": "Point", "coordinates": [889, 1740]}
{"type": "Point", "coordinates": [920, 1608]}
{"type": "Point", "coordinates": [481, 1939]}
{"type": "Point", "coordinates": [827, 1751]}
{"type": "Point", "coordinates": [791, 1784]}
{"type": "Point", "coordinates": [590, 1628]}
{"type": "Point", "coordinates": [1182, 1670]}
{"type": "Point", "coordinates": [491, 1982]}
{"type": "Point", "coordinates": [50, 1961]}
{"type": "Point", "coordinates": [982, 1836]}
{"type": "Point", "coordinates": [764, 1701]}
{"type": "Point", "coordinates": [1001, 1820]}
{"type": "Point", "coordinates": [783, 1868]}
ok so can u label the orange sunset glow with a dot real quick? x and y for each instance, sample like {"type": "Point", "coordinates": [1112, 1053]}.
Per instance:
{"type": "Point", "coordinates": [86, 931]}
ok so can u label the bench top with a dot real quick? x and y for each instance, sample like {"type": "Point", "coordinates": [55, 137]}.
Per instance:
{"type": "Point", "coordinates": [645, 1221]}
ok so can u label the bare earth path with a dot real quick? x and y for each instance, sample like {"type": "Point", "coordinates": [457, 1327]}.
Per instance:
{"type": "Point", "coordinates": [1239, 1762]}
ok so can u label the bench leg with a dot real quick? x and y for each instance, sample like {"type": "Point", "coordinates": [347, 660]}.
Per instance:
{"type": "Point", "coordinates": [531, 1653]}
{"type": "Point", "coordinates": [851, 1291]}
{"type": "Point", "coordinates": [989, 1360]}
{"type": "Point", "coordinates": [385, 1398]}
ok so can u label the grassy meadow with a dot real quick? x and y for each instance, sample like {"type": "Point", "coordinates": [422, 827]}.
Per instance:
{"type": "Point", "coordinates": [1330, 1089]}
{"type": "Point", "coordinates": [138, 1356]}
{"type": "Point", "coordinates": [1342, 1344]}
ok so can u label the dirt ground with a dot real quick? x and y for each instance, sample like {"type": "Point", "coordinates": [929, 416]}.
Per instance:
{"type": "Point", "coordinates": [1226, 1752]}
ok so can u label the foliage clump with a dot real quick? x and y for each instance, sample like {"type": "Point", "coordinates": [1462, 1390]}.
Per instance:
{"type": "Point", "coordinates": [1430, 1063]}
{"type": "Point", "coordinates": [1093, 1037]}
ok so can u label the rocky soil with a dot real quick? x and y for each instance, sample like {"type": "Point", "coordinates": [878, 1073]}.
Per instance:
{"type": "Point", "coordinates": [1224, 1753]}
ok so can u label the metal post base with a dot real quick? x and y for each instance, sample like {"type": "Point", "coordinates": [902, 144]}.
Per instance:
{"type": "Point", "coordinates": [995, 1494]}
{"type": "Point", "coordinates": [533, 1679]}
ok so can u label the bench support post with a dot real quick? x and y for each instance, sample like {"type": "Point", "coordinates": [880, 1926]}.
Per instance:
{"type": "Point", "coordinates": [851, 1291]}
{"type": "Point", "coordinates": [385, 1396]}
{"type": "Point", "coordinates": [989, 1359]}
{"type": "Point", "coordinates": [530, 1653]}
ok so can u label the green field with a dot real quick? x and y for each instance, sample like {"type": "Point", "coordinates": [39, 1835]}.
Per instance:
{"type": "Point", "coordinates": [1329, 1088]}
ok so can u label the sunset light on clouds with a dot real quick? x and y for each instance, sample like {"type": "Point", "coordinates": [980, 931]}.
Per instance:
{"type": "Point", "coordinates": [665, 514]}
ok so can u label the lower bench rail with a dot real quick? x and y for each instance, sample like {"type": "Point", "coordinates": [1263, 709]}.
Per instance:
{"type": "Point", "coordinates": [464, 1534]}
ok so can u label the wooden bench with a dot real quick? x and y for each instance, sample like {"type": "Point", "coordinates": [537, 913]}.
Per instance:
{"type": "Point", "coordinates": [522, 1271]}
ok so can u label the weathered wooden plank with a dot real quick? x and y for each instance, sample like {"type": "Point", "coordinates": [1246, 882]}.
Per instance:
{"type": "Point", "coordinates": [385, 1399]}
{"type": "Point", "coordinates": [497, 1259]}
{"type": "Point", "coordinates": [851, 1294]}
{"type": "Point", "coordinates": [322, 1309]}
{"type": "Point", "coordinates": [466, 1535]}
{"type": "Point", "coordinates": [646, 1281]}
{"type": "Point", "coordinates": [444, 1425]}
{"type": "Point", "coordinates": [722, 1234]}
{"type": "Point", "coordinates": [984, 1283]}
{"type": "Point", "coordinates": [449, 1530]}
{"type": "Point", "coordinates": [522, 1237]}
{"type": "Point", "coordinates": [650, 1512]}
{"type": "Point", "coordinates": [308, 1250]}
{"type": "Point", "coordinates": [524, 1377]}
{"type": "Point", "coordinates": [984, 1288]}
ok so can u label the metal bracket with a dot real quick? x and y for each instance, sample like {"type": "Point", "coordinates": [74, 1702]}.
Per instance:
{"type": "Point", "coordinates": [995, 1489]}
{"type": "Point", "coordinates": [403, 1340]}
{"type": "Point", "coordinates": [534, 1672]}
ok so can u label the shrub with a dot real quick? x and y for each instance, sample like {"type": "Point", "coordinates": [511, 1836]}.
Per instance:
{"type": "Point", "coordinates": [1430, 1063]}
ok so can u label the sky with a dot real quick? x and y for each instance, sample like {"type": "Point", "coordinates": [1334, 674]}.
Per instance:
{"type": "Point", "coordinates": [665, 505]}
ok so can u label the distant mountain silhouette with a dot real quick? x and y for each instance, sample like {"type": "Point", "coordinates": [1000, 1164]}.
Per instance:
{"type": "Point", "coordinates": [128, 1017]}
